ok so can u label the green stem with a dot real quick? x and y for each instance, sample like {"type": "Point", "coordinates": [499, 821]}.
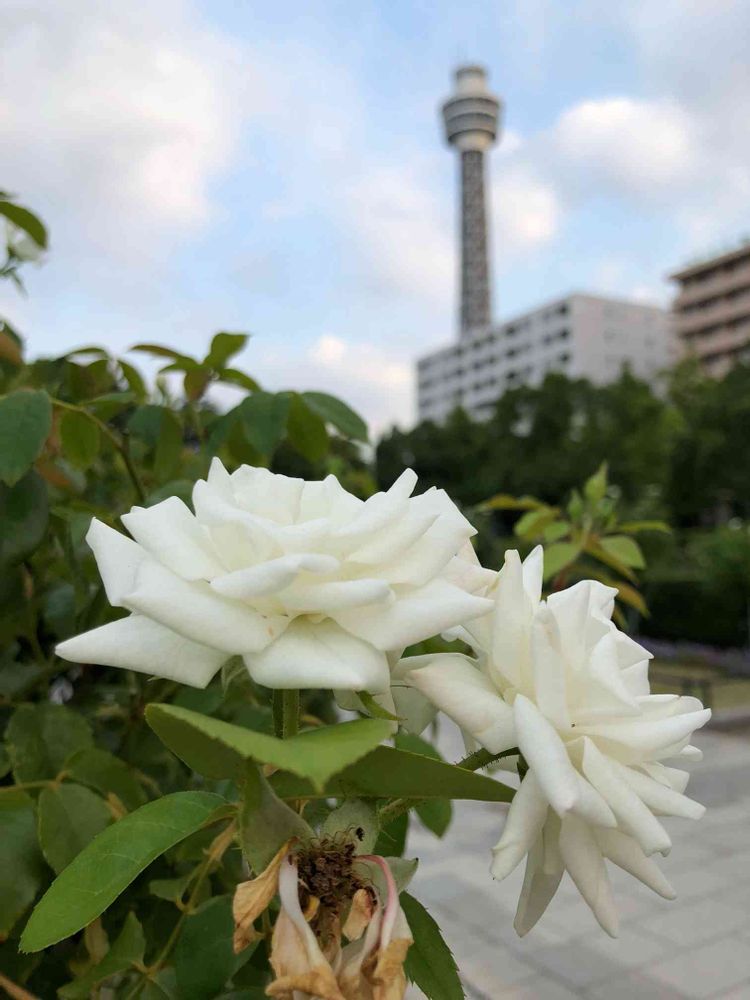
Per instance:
{"type": "Point", "coordinates": [473, 762]}
{"type": "Point", "coordinates": [286, 713]}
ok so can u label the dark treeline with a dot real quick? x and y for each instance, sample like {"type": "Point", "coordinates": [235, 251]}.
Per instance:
{"type": "Point", "coordinates": [681, 453]}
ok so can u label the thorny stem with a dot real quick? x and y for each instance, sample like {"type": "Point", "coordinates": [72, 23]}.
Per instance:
{"type": "Point", "coordinates": [119, 444]}
{"type": "Point", "coordinates": [472, 762]}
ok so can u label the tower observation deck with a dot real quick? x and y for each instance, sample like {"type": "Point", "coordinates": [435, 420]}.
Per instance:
{"type": "Point", "coordinates": [472, 120]}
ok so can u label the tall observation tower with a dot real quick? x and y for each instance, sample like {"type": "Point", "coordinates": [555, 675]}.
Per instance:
{"type": "Point", "coordinates": [472, 123]}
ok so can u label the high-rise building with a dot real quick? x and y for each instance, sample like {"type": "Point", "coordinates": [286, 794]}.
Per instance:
{"type": "Point", "coordinates": [582, 335]}
{"type": "Point", "coordinates": [711, 312]}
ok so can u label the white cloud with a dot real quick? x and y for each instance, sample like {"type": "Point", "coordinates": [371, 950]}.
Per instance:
{"type": "Point", "coordinates": [636, 145]}
{"type": "Point", "coordinates": [115, 117]}
{"type": "Point", "coordinates": [376, 380]}
{"type": "Point", "coordinates": [398, 227]}
{"type": "Point", "coordinates": [526, 211]}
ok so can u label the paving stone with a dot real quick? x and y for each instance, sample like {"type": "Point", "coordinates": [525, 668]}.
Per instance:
{"type": "Point", "coordinates": [698, 922]}
{"type": "Point", "coordinates": [537, 988]}
{"type": "Point", "coordinates": [585, 962]}
{"type": "Point", "coordinates": [707, 971]}
{"type": "Point", "coordinates": [633, 987]}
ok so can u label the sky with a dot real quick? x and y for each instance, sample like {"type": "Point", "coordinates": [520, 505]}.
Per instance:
{"type": "Point", "coordinates": [279, 169]}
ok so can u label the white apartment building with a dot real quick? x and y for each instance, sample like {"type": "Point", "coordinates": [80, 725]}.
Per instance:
{"type": "Point", "coordinates": [584, 336]}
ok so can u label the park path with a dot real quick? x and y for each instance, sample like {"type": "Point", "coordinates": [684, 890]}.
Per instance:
{"type": "Point", "coordinates": [694, 947]}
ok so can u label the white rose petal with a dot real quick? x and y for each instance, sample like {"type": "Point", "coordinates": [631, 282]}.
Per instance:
{"type": "Point", "coordinates": [137, 643]}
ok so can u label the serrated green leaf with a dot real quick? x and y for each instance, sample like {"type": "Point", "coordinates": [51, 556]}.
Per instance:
{"type": "Point", "coordinates": [389, 773]}
{"type": "Point", "coordinates": [25, 423]}
{"type": "Point", "coordinates": [555, 531]}
{"type": "Point", "coordinates": [97, 876]}
{"type": "Point", "coordinates": [219, 749]}
{"type": "Point", "coordinates": [134, 379]}
{"type": "Point", "coordinates": [306, 431]}
{"type": "Point", "coordinates": [429, 962]}
{"type": "Point", "coordinates": [392, 837]}
{"type": "Point", "coordinates": [436, 814]}
{"type": "Point", "coordinates": [263, 416]}
{"type": "Point", "coordinates": [235, 377]}
{"type": "Point", "coordinates": [504, 501]}
{"type": "Point", "coordinates": [24, 513]}
{"type": "Point", "coordinates": [106, 773]}
{"type": "Point", "coordinates": [127, 951]}
{"type": "Point", "coordinates": [80, 437]}
{"type": "Point", "coordinates": [370, 705]}
{"type": "Point", "coordinates": [22, 867]}
{"type": "Point", "coordinates": [41, 737]}
{"type": "Point", "coordinates": [335, 411]}
{"type": "Point", "coordinates": [68, 818]}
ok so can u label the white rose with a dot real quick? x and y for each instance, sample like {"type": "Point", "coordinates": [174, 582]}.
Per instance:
{"type": "Point", "coordinates": [309, 584]}
{"type": "Point", "coordinates": [559, 681]}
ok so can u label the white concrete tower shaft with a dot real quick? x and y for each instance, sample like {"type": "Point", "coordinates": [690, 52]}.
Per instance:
{"type": "Point", "coordinates": [472, 123]}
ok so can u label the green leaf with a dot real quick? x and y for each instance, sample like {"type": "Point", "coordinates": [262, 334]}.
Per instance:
{"type": "Point", "coordinates": [25, 423]}
{"type": "Point", "coordinates": [627, 550]}
{"type": "Point", "coordinates": [503, 501]}
{"type": "Point", "coordinates": [436, 814]}
{"type": "Point", "coordinates": [392, 837]}
{"type": "Point", "coordinates": [110, 404]}
{"type": "Point", "coordinates": [357, 820]}
{"type": "Point", "coordinates": [533, 522]}
{"type": "Point", "coordinates": [69, 817]}
{"type": "Point", "coordinates": [558, 556]}
{"type": "Point", "coordinates": [265, 821]}
{"type": "Point", "coordinates": [236, 377]}
{"type": "Point", "coordinates": [168, 447]}
{"type": "Point", "coordinates": [263, 417]}
{"type": "Point", "coordinates": [5, 765]}
{"type": "Point", "coordinates": [22, 867]}
{"type": "Point", "coordinates": [196, 382]}
{"type": "Point", "coordinates": [23, 219]}
{"type": "Point", "coordinates": [24, 513]}
{"type": "Point", "coordinates": [80, 438]}
{"type": "Point", "coordinates": [555, 531]}
{"type": "Point", "coordinates": [595, 488]}
{"type": "Point", "coordinates": [107, 774]}
{"type": "Point", "coordinates": [204, 958]}
{"type": "Point", "coordinates": [219, 750]}
{"type": "Point", "coordinates": [335, 411]}
{"type": "Point", "coordinates": [134, 379]}
{"type": "Point", "coordinates": [127, 951]}
{"type": "Point", "coordinates": [633, 527]}
{"type": "Point", "coordinates": [97, 876]}
{"type": "Point", "coordinates": [429, 962]}
{"type": "Point", "coordinates": [159, 351]}
{"type": "Point", "coordinates": [389, 773]}
{"type": "Point", "coordinates": [306, 431]}
{"type": "Point", "coordinates": [594, 548]}
{"type": "Point", "coordinates": [170, 889]}
{"type": "Point", "coordinates": [223, 347]}
{"type": "Point", "coordinates": [41, 738]}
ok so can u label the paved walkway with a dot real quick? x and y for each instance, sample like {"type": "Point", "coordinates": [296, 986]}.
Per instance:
{"type": "Point", "coordinates": [697, 946]}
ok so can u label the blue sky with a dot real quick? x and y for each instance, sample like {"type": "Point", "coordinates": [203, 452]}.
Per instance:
{"type": "Point", "coordinates": [279, 168]}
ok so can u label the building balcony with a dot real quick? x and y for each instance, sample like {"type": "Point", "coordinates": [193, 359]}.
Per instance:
{"type": "Point", "coordinates": [722, 283]}
{"type": "Point", "coordinates": [716, 315]}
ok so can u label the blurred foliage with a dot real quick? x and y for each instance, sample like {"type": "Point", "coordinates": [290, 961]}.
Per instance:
{"type": "Point", "coordinates": [678, 454]}
{"type": "Point", "coordinates": [585, 539]}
